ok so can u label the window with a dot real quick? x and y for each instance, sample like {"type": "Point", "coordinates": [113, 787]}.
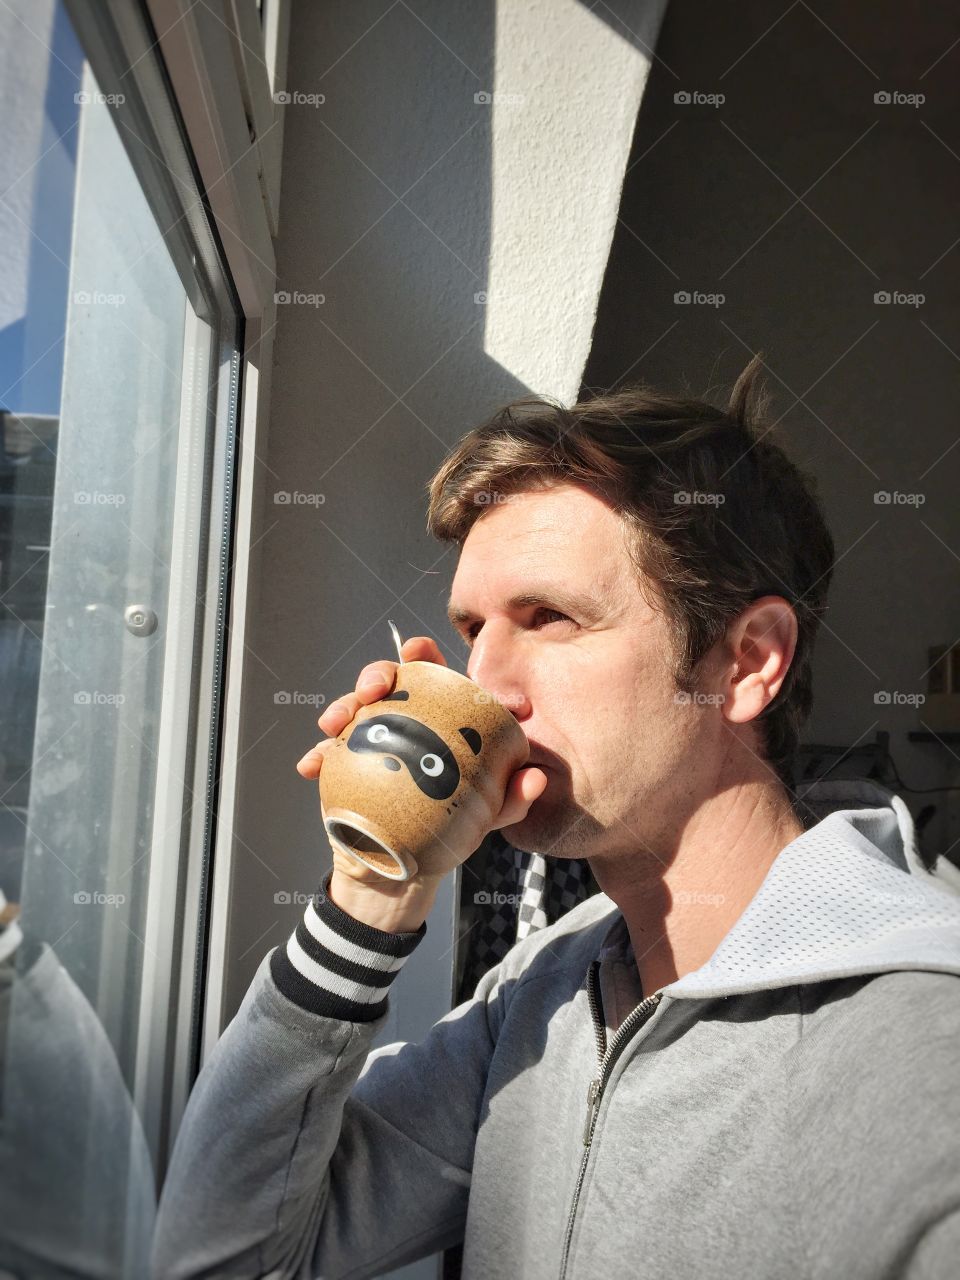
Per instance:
{"type": "Point", "coordinates": [120, 341]}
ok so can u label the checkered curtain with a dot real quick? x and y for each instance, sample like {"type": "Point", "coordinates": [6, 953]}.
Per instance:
{"type": "Point", "coordinates": [520, 893]}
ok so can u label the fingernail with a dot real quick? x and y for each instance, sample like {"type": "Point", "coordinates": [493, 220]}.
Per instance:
{"type": "Point", "coordinates": [370, 681]}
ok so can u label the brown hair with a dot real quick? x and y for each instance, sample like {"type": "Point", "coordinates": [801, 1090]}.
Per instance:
{"type": "Point", "coordinates": [716, 513]}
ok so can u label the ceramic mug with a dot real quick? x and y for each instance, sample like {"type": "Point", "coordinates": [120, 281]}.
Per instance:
{"type": "Point", "coordinates": [419, 776]}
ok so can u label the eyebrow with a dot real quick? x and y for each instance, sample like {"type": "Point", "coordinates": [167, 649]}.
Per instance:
{"type": "Point", "coordinates": [582, 604]}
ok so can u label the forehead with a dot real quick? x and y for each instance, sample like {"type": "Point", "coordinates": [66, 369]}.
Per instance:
{"type": "Point", "coordinates": [565, 532]}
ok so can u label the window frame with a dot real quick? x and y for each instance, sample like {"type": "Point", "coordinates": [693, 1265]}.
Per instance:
{"type": "Point", "coordinates": [225, 94]}
{"type": "Point", "coordinates": [205, 67]}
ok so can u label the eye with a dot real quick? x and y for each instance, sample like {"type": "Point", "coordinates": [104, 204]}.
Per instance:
{"type": "Point", "coordinates": [431, 765]}
{"type": "Point", "coordinates": [377, 732]}
{"type": "Point", "coordinates": [554, 615]}
{"type": "Point", "coordinates": [557, 615]}
{"type": "Point", "coordinates": [469, 634]}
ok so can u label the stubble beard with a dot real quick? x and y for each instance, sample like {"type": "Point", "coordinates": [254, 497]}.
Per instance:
{"type": "Point", "coordinates": [564, 830]}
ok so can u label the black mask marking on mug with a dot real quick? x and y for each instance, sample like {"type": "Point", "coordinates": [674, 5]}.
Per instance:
{"type": "Point", "coordinates": [429, 760]}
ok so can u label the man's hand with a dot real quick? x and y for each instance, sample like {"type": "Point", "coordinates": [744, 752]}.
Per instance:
{"type": "Point", "coordinates": [397, 906]}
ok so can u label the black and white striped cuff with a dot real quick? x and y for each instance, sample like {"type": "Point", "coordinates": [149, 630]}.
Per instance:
{"type": "Point", "coordinates": [337, 966]}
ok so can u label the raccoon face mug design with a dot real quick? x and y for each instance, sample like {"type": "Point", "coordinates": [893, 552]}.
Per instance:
{"type": "Point", "coordinates": [421, 774]}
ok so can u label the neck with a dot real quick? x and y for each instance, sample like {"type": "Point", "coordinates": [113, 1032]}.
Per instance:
{"type": "Point", "coordinates": [679, 904]}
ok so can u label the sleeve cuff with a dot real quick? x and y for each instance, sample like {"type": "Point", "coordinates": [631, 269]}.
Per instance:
{"type": "Point", "coordinates": [339, 967]}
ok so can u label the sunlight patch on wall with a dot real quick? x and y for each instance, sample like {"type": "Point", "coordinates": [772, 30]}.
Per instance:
{"type": "Point", "coordinates": [567, 89]}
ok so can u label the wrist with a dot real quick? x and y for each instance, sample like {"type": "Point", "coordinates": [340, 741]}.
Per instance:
{"type": "Point", "coordinates": [350, 946]}
{"type": "Point", "coordinates": [391, 907]}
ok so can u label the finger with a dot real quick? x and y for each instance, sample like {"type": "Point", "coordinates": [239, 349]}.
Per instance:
{"type": "Point", "coordinates": [523, 788]}
{"type": "Point", "coordinates": [339, 714]}
{"type": "Point", "coordinates": [422, 649]}
{"type": "Point", "coordinates": [309, 766]}
{"type": "Point", "coordinates": [376, 680]}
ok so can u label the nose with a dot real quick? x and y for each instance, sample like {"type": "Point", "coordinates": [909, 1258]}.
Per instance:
{"type": "Point", "coordinates": [495, 665]}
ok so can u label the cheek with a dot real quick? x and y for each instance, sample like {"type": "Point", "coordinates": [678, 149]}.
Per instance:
{"type": "Point", "coordinates": [565, 693]}
{"type": "Point", "coordinates": [641, 709]}
{"type": "Point", "coordinates": [608, 702]}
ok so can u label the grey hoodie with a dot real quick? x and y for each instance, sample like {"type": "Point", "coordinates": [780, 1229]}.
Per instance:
{"type": "Point", "coordinates": [791, 1109]}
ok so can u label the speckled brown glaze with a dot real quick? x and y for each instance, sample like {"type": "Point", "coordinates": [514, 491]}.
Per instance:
{"type": "Point", "coordinates": [372, 805]}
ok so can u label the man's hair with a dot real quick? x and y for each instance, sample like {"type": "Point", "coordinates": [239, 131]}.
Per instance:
{"type": "Point", "coordinates": [716, 514]}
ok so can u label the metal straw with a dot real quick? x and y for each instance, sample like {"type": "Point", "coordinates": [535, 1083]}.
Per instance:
{"type": "Point", "coordinates": [396, 638]}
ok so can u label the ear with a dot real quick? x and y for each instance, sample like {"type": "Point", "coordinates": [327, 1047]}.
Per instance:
{"type": "Point", "coordinates": [472, 739]}
{"type": "Point", "coordinates": [760, 644]}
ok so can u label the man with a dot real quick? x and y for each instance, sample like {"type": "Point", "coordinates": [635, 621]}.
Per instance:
{"type": "Point", "coordinates": [741, 1057]}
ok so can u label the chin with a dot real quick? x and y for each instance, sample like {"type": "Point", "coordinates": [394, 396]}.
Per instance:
{"type": "Point", "coordinates": [531, 833]}
{"type": "Point", "coordinates": [564, 832]}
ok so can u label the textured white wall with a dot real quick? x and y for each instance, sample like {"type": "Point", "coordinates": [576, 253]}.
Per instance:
{"type": "Point", "coordinates": [567, 85]}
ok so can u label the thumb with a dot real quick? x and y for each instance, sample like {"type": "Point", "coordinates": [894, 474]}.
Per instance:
{"type": "Point", "coordinates": [523, 788]}
{"type": "Point", "coordinates": [422, 649]}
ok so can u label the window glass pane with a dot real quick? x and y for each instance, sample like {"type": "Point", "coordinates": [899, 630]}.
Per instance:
{"type": "Point", "coordinates": [118, 376]}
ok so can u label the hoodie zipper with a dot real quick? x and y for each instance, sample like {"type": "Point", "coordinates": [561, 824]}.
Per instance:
{"type": "Point", "coordinates": [607, 1056]}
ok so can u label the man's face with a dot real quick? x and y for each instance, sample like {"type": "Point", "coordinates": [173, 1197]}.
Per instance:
{"type": "Point", "coordinates": [559, 631]}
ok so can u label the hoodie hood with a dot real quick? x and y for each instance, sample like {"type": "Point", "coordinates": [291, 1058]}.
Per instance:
{"type": "Point", "coordinates": [848, 896]}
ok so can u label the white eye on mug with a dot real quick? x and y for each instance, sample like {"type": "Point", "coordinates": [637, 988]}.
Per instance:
{"type": "Point", "coordinates": [377, 732]}
{"type": "Point", "coordinates": [431, 765]}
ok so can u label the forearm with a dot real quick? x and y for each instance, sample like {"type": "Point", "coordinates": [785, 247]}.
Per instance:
{"type": "Point", "coordinates": [250, 1171]}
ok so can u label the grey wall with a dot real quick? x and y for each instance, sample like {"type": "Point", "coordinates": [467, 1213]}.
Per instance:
{"type": "Point", "coordinates": [798, 198]}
